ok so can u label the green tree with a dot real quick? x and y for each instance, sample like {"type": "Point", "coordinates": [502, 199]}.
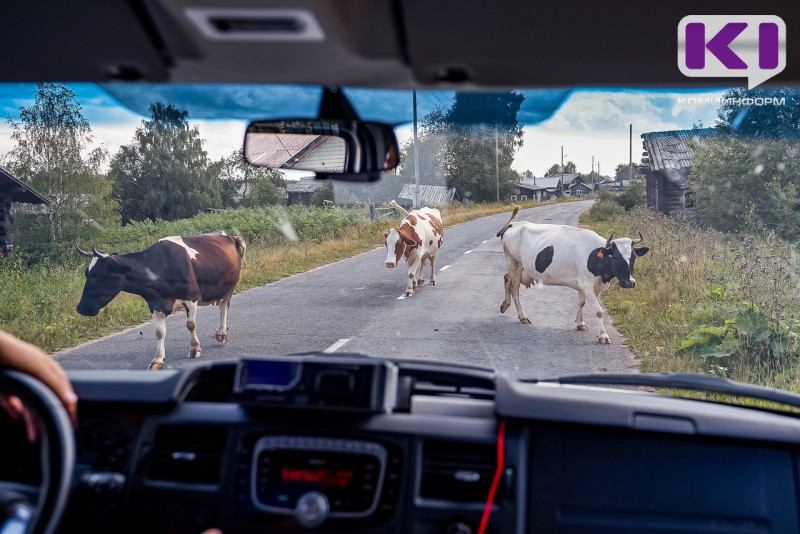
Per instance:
{"type": "Point", "coordinates": [164, 173]}
{"type": "Point", "coordinates": [482, 136]}
{"type": "Point", "coordinates": [746, 185]}
{"type": "Point", "coordinates": [323, 193]}
{"type": "Point", "coordinates": [555, 168]}
{"type": "Point", "coordinates": [747, 112]}
{"type": "Point", "coordinates": [247, 185]}
{"type": "Point", "coordinates": [621, 172]}
{"type": "Point", "coordinates": [53, 154]}
{"type": "Point", "coordinates": [633, 195]}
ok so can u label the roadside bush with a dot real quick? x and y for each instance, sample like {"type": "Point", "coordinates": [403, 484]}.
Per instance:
{"type": "Point", "coordinates": [605, 210]}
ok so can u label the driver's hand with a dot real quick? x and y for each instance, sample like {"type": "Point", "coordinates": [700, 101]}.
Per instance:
{"type": "Point", "coordinates": [21, 356]}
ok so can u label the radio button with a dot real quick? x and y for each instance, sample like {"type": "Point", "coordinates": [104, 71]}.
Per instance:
{"type": "Point", "coordinates": [312, 509]}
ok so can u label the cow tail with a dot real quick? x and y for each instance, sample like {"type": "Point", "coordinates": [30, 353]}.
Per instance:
{"type": "Point", "coordinates": [504, 228]}
{"type": "Point", "coordinates": [397, 206]}
{"type": "Point", "coordinates": [241, 246]}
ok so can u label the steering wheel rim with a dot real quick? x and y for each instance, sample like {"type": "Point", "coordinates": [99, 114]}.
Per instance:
{"type": "Point", "coordinates": [57, 448]}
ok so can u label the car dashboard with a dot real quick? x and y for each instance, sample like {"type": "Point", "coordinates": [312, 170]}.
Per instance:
{"type": "Point", "coordinates": [181, 451]}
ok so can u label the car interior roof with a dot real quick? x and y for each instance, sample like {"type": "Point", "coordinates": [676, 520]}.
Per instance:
{"type": "Point", "coordinates": [372, 43]}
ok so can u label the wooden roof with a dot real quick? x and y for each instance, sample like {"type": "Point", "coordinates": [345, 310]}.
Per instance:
{"type": "Point", "coordinates": [12, 188]}
{"type": "Point", "coordinates": [672, 149]}
{"type": "Point", "coordinates": [429, 194]}
{"type": "Point", "coordinates": [305, 185]}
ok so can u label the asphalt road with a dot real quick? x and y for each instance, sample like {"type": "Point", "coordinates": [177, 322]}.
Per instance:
{"type": "Point", "coordinates": [356, 305]}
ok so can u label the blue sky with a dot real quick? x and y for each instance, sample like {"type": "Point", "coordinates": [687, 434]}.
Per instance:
{"type": "Point", "coordinates": [586, 122]}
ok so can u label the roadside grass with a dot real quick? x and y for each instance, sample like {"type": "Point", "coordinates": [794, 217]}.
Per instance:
{"type": "Point", "coordinates": [39, 301]}
{"type": "Point", "coordinates": [706, 302]}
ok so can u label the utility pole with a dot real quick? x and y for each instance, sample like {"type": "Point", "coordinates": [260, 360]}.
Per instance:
{"type": "Point", "coordinates": [497, 162]}
{"type": "Point", "coordinates": [592, 173]}
{"type": "Point", "coordinates": [630, 155]}
{"type": "Point", "coordinates": [562, 171]}
{"type": "Point", "coordinates": [416, 156]}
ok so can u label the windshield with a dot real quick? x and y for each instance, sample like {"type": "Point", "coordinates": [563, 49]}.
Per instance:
{"type": "Point", "coordinates": [686, 262]}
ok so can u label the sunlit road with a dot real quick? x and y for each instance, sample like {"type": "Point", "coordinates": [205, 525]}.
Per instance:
{"type": "Point", "coordinates": [353, 306]}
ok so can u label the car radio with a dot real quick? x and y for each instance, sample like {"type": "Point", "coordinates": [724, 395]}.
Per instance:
{"type": "Point", "coordinates": [355, 385]}
{"type": "Point", "coordinates": [316, 478]}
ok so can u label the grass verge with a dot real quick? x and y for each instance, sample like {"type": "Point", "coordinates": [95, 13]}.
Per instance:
{"type": "Point", "coordinates": [707, 302]}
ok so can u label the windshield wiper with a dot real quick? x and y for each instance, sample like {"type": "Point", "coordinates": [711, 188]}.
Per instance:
{"type": "Point", "coordinates": [704, 384]}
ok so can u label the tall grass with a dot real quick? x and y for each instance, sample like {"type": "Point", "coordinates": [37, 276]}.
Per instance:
{"type": "Point", "coordinates": [707, 301]}
{"type": "Point", "coordinates": [38, 301]}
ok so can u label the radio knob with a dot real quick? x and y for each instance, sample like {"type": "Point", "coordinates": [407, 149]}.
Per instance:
{"type": "Point", "coordinates": [312, 509]}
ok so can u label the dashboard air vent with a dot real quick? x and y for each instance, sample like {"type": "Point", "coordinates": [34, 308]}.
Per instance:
{"type": "Point", "coordinates": [455, 471]}
{"type": "Point", "coordinates": [188, 454]}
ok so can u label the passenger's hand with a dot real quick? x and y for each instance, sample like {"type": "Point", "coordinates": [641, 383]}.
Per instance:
{"type": "Point", "coordinates": [212, 531]}
{"type": "Point", "coordinates": [21, 356]}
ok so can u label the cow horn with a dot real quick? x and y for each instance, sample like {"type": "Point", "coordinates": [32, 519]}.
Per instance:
{"type": "Point", "coordinates": [83, 252]}
{"type": "Point", "coordinates": [641, 238]}
{"type": "Point", "coordinates": [98, 253]}
{"type": "Point", "coordinates": [611, 237]}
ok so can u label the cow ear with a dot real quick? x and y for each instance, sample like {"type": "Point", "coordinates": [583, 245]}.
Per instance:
{"type": "Point", "coordinates": [641, 251]}
{"type": "Point", "coordinates": [385, 234]}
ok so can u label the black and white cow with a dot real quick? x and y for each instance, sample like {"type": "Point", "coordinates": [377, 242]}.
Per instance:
{"type": "Point", "coordinates": [557, 255]}
{"type": "Point", "coordinates": [175, 273]}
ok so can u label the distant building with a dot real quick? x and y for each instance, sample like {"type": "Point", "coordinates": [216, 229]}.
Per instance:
{"type": "Point", "coordinates": [13, 190]}
{"type": "Point", "coordinates": [668, 160]}
{"type": "Point", "coordinates": [300, 192]}
{"type": "Point", "coordinates": [549, 187]}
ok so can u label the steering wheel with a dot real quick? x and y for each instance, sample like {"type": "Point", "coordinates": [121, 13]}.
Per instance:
{"type": "Point", "coordinates": [57, 441]}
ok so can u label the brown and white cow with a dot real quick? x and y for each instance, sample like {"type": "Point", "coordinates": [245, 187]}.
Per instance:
{"type": "Point", "coordinates": [418, 238]}
{"type": "Point", "coordinates": [174, 273]}
{"type": "Point", "coordinates": [558, 255]}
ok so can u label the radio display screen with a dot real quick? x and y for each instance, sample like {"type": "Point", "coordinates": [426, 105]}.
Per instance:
{"type": "Point", "coordinates": [349, 481]}
{"type": "Point", "coordinates": [266, 374]}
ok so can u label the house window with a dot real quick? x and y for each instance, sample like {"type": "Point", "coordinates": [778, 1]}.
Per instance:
{"type": "Point", "coordinates": [579, 191]}
{"type": "Point", "coordinates": [567, 193]}
{"type": "Point", "coordinates": [513, 197]}
{"type": "Point", "coordinates": [523, 197]}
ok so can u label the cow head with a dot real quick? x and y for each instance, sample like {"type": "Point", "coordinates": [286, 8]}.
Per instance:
{"type": "Point", "coordinates": [397, 241]}
{"type": "Point", "coordinates": [104, 280]}
{"type": "Point", "coordinates": [616, 260]}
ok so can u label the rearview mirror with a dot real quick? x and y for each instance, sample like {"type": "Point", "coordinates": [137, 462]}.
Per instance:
{"type": "Point", "coordinates": [342, 148]}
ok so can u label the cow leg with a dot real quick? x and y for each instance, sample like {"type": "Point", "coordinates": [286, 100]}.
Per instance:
{"type": "Point", "coordinates": [507, 299]}
{"type": "Point", "coordinates": [579, 318]}
{"type": "Point", "coordinates": [592, 296]}
{"type": "Point", "coordinates": [222, 332]}
{"type": "Point", "coordinates": [412, 277]}
{"type": "Point", "coordinates": [191, 324]}
{"type": "Point", "coordinates": [433, 270]}
{"type": "Point", "coordinates": [512, 287]}
{"type": "Point", "coordinates": [160, 321]}
{"type": "Point", "coordinates": [421, 279]}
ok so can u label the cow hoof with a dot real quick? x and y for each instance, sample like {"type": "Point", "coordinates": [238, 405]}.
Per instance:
{"type": "Point", "coordinates": [155, 366]}
{"type": "Point", "coordinates": [504, 307]}
{"type": "Point", "coordinates": [194, 353]}
{"type": "Point", "coordinates": [605, 341]}
{"type": "Point", "coordinates": [408, 294]}
{"type": "Point", "coordinates": [421, 282]}
{"type": "Point", "coordinates": [222, 338]}
{"type": "Point", "coordinates": [583, 327]}
{"type": "Point", "coordinates": [525, 321]}
{"type": "Point", "coordinates": [433, 282]}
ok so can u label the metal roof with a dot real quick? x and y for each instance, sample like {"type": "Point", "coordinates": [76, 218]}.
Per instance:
{"type": "Point", "coordinates": [548, 182]}
{"type": "Point", "coordinates": [672, 150]}
{"type": "Point", "coordinates": [13, 188]}
{"type": "Point", "coordinates": [322, 153]}
{"type": "Point", "coordinates": [429, 194]}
